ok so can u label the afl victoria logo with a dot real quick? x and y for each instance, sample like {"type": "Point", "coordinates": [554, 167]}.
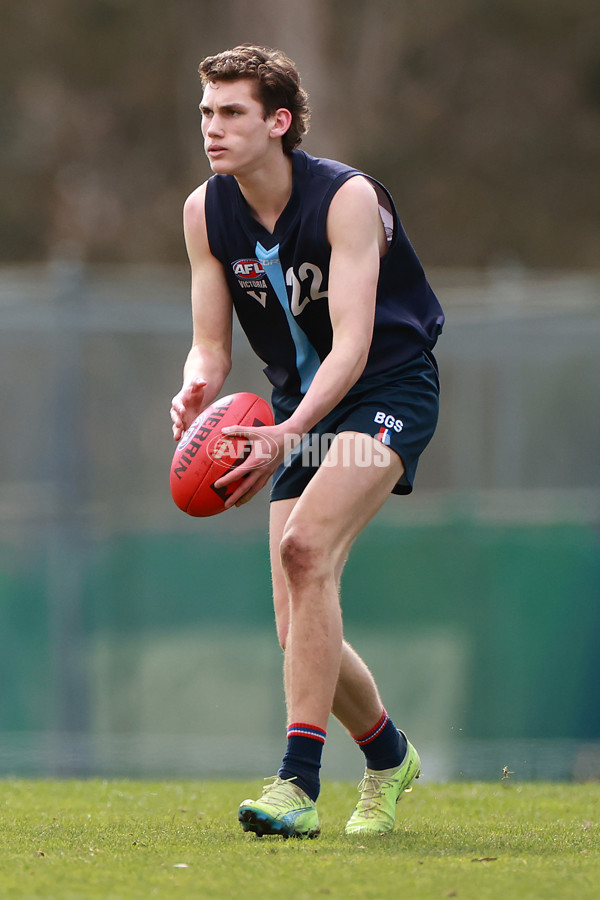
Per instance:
{"type": "Point", "coordinates": [248, 269]}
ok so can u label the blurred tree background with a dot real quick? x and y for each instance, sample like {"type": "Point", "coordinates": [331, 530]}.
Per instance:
{"type": "Point", "coordinates": [482, 117]}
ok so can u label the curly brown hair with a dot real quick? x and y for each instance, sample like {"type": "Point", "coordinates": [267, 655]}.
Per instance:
{"type": "Point", "coordinates": [277, 83]}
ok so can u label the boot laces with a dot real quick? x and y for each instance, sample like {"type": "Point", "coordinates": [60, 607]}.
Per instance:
{"type": "Point", "coordinates": [278, 791]}
{"type": "Point", "coordinates": [370, 789]}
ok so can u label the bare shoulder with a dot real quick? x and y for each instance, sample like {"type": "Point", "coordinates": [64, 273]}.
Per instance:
{"type": "Point", "coordinates": [353, 208]}
{"type": "Point", "coordinates": [194, 225]}
{"type": "Point", "coordinates": [356, 192]}
{"type": "Point", "coordinates": [193, 208]}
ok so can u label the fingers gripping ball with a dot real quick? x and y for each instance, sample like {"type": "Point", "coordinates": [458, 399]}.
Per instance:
{"type": "Point", "coordinates": [204, 454]}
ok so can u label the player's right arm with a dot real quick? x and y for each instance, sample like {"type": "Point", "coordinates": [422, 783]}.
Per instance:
{"type": "Point", "coordinates": [209, 361]}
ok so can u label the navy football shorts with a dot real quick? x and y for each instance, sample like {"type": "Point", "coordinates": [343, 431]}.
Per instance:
{"type": "Point", "coordinates": [398, 407]}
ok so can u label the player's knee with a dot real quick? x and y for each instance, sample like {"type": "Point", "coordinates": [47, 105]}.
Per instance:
{"type": "Point", "coordinates": [301, 556]}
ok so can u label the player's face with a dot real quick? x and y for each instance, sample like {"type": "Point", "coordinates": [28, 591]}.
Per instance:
{"type": "Point", "coordinates": [236, 133]}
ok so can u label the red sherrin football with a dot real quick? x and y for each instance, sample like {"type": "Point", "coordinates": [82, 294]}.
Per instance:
{"type": "Point", "coordinates": [204, 454]}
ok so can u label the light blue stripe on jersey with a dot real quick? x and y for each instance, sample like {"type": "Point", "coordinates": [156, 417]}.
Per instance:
{"type": "Point", "coordinates": [307, 358]}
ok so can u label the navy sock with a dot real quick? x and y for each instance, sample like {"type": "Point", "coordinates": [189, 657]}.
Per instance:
{"type": "Point", "coordinates": [384, 746]}
{"type": "Point", "coordinates": [302, 759]}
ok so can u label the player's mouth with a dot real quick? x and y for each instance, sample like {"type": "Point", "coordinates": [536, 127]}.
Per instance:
{"type": "Point", "coordinates": [215, 150]}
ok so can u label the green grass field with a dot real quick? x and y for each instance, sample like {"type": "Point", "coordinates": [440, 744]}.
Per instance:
{"type": "Point", "coordinates": [124, 839]}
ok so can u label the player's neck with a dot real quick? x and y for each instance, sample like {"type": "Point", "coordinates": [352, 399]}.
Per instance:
{"type": "Point", "coordinates": [267, 190]}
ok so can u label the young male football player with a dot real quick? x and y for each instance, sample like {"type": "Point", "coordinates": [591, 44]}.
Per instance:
{"type": "Point", "coordinates": [313, 258]}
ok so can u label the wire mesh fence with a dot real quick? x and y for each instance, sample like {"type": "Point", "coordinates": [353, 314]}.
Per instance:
{"type": "Point", "coordinates": [137, 640]}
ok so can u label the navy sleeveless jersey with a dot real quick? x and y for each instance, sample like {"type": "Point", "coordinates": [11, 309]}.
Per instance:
{"type": "Point", "coordinates": [278, 281]}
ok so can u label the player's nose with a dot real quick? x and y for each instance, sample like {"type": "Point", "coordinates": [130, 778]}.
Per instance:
{"type": "Point", "coordinates": [215, 127]}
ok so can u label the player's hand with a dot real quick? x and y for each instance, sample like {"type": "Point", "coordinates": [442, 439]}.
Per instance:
{"type": "Point", "coordinates": [187, 405]}
{"type": "Point", "coordinates": [270, 443]}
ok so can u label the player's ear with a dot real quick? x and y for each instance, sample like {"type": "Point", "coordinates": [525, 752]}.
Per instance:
{"type": "Point", "coordinates": [282, 121]}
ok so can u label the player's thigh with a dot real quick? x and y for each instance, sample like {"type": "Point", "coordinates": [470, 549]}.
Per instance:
{"type": "Point", "coordinates": [351, 485]}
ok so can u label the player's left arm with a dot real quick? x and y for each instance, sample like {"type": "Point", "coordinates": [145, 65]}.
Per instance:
{"type": "Point", "coordinates": [355, 234]}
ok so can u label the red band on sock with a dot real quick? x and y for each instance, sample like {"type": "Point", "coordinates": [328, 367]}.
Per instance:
{"type": "Point", "coordinates": [363, 739]}
{"type": "Point", "coordinates": [302, 729]}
